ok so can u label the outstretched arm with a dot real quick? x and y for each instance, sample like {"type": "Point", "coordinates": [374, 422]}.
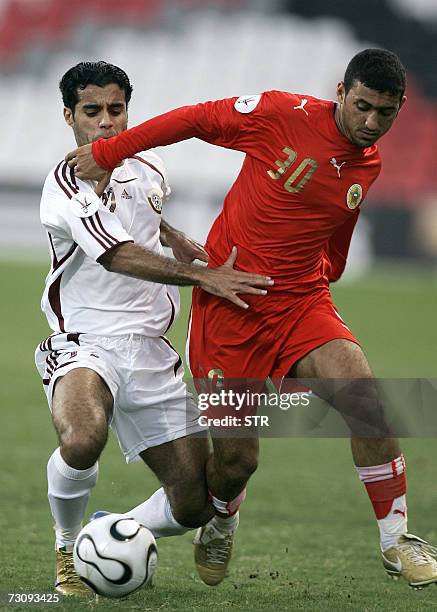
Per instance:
{"type": "Point", "coordinates": [219, 123]}
{"type": "Point", "coordinates": [132, 260]}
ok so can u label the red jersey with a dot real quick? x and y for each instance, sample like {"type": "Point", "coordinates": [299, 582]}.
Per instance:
{"type": "Point", "coordinates": [293, 207]}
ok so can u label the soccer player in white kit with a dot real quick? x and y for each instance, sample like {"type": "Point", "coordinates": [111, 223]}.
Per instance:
{"type": "Point", "coordinates": [109, 300]}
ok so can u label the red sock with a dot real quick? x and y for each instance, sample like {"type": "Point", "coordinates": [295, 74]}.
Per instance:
{"type": "Point", "coordinates": [383, 493]}
{"type": "Point", "coordinates": [384, 483]}
{"type": "Point", "coordinates": [386, 487]}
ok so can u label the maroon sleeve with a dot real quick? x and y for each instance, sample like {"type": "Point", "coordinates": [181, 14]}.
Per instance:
{"type": "Point", "coordinates": [337, 249]}
{"type": "Point", "coordinates": [216, 122]}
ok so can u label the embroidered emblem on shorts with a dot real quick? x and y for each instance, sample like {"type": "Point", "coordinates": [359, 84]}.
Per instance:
{"type": "Point", "coordinates": [155, 199]}
{"type": "Point", "coordinates": [216, 379]}
{"type": "Point", "coordinates": [354, 196]}
{"type": "Point", "coordinates": [85, 204]}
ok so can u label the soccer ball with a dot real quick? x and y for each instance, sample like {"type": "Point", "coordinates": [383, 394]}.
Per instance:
{"type": "Point", "coordinates": [115, 555]}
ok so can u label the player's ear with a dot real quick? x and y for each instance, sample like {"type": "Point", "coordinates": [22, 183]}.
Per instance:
{"type": "Point", "coordinates": [403, 100]}
{"type": "Point", "coordinates": [68, 116]}
{"type": "Point", "coordinates": [341, 92]}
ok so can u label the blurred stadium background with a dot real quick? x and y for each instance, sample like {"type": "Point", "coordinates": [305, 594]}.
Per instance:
{"type": "Point", "coordinates": [180, 52]}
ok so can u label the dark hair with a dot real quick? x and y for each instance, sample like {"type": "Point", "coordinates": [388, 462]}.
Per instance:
{"type": "Point", "coordinates": [92, 73]}
{"type": "Point", "coordinates": [377, 69]}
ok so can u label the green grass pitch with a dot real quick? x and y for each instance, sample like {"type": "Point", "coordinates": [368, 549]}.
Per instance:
{"type": "Point", "coordinates": [308, 540]}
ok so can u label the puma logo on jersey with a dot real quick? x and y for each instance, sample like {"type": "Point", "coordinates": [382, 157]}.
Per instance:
{"type": "Point", "coordinates": [338, 167]}
{"type": "Point", "coordinates": [125, 195]}
{"type": "Point", "coordinates": [301, 106]}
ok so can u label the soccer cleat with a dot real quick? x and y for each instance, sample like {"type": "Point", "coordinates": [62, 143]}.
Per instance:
{"type": "Point", "coordinates": [67, 582]}
{"type": "Point", "coordinates": [212, 553]}
{"type": "Point", "coordinates": [412, 558]}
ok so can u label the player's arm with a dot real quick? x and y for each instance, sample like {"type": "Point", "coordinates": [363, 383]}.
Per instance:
{"type": "Point", "coordinates": [184, 248]}
{"type": "Point", "coordinates": [71, 208]}
{"type": "Point", "coordinates": [133, 260]}
{"type": "Point", "coordinates": [222, 123]}
{"type": "Point", "coordinates": [337, 249]}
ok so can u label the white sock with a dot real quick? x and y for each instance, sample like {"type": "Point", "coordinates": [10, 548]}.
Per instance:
{"type": "Point", "coordinates": [228, 508]}
{"type": "Point", "coordinates": [155, 514]}
{"type": "Point", "coordinates": [226, 524]}
{"type": "Point", "coordinates": [394, 524]}
{"type": "Point", "coordinates": [229, 523]}
{"type": "Point", "coordinates": [68, 493]}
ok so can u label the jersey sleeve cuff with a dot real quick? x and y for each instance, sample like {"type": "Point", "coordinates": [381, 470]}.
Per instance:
{"type": "Point", "coordinates": [112, 248]}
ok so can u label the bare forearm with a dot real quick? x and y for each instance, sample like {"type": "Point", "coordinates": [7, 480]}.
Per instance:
{"type": "Point", "coordinates": [133, 260]}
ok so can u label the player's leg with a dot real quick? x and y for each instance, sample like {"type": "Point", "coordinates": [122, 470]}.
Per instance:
{"type": "Point", "coordinates": [335, 363]}
{"type": "Point", "coordinates": [182, 502]}
{"type": "Point", "coordinates": [81, 408]}
{"type": "Point", "coordinates": [378, 460]}
{"type": "Point", "coordinates": [156, 420]}
{"type": "Point", "coordinates": [228, 470]}
{"type": "Point", "coordinates": [222, 343]}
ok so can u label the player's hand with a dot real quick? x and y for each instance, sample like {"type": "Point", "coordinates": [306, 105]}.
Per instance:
{"type": "Point", "coordinates": [84, 164]}
{"type": "Point", "coordinates": [103, 183]}
{"type": "Point", "coordinates": [227, 283]}
{"type": "Point", "coordinates": [184, 248]}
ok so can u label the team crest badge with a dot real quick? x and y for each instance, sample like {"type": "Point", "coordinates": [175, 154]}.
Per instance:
{"type": "Point", "coordinates": [354, 196]}
{"type": "Point", "coordinates": [85, 204]}
{"type": "Point", "coordinates": [155, 199]}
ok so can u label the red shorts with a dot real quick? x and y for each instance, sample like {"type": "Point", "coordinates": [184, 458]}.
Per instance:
{"type": "Point", "coordinates": [263, 341]}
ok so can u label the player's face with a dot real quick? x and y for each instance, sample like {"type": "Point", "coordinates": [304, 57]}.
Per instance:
{"type": "Point", "coordinates": [100, 113]}
{"type": "Point", "coordinates": [364, 115]}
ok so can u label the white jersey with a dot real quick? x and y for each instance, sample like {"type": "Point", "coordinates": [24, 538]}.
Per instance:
{"type": "Point", "coordinates": [80, 295]}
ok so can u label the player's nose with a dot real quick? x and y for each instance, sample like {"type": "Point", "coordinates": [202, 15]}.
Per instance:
{"type": "Point", "coordinates": [106, 120]}
{"type": "Point", "coordinates": [372, 122]}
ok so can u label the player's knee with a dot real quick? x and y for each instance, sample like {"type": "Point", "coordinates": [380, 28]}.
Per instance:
{"type": "Point", "coordinates": [82, 451]}
{"type": "Point", "coordinates": [81, 438]}
{"type": "Point", "coordinates": [364, 408]}
{"type": "Point", "coordinates": [237, 468]}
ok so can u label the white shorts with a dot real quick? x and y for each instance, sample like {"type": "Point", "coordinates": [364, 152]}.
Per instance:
{"type": "Point", "coordinates": [145, 376]}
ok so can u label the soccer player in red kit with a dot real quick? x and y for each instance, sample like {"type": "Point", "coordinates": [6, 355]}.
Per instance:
{"type": "Point", "coordinates": [291, 212]}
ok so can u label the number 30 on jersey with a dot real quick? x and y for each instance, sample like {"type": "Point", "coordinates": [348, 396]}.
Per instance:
{"type": "Point", "coordinates": [308, 164]}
